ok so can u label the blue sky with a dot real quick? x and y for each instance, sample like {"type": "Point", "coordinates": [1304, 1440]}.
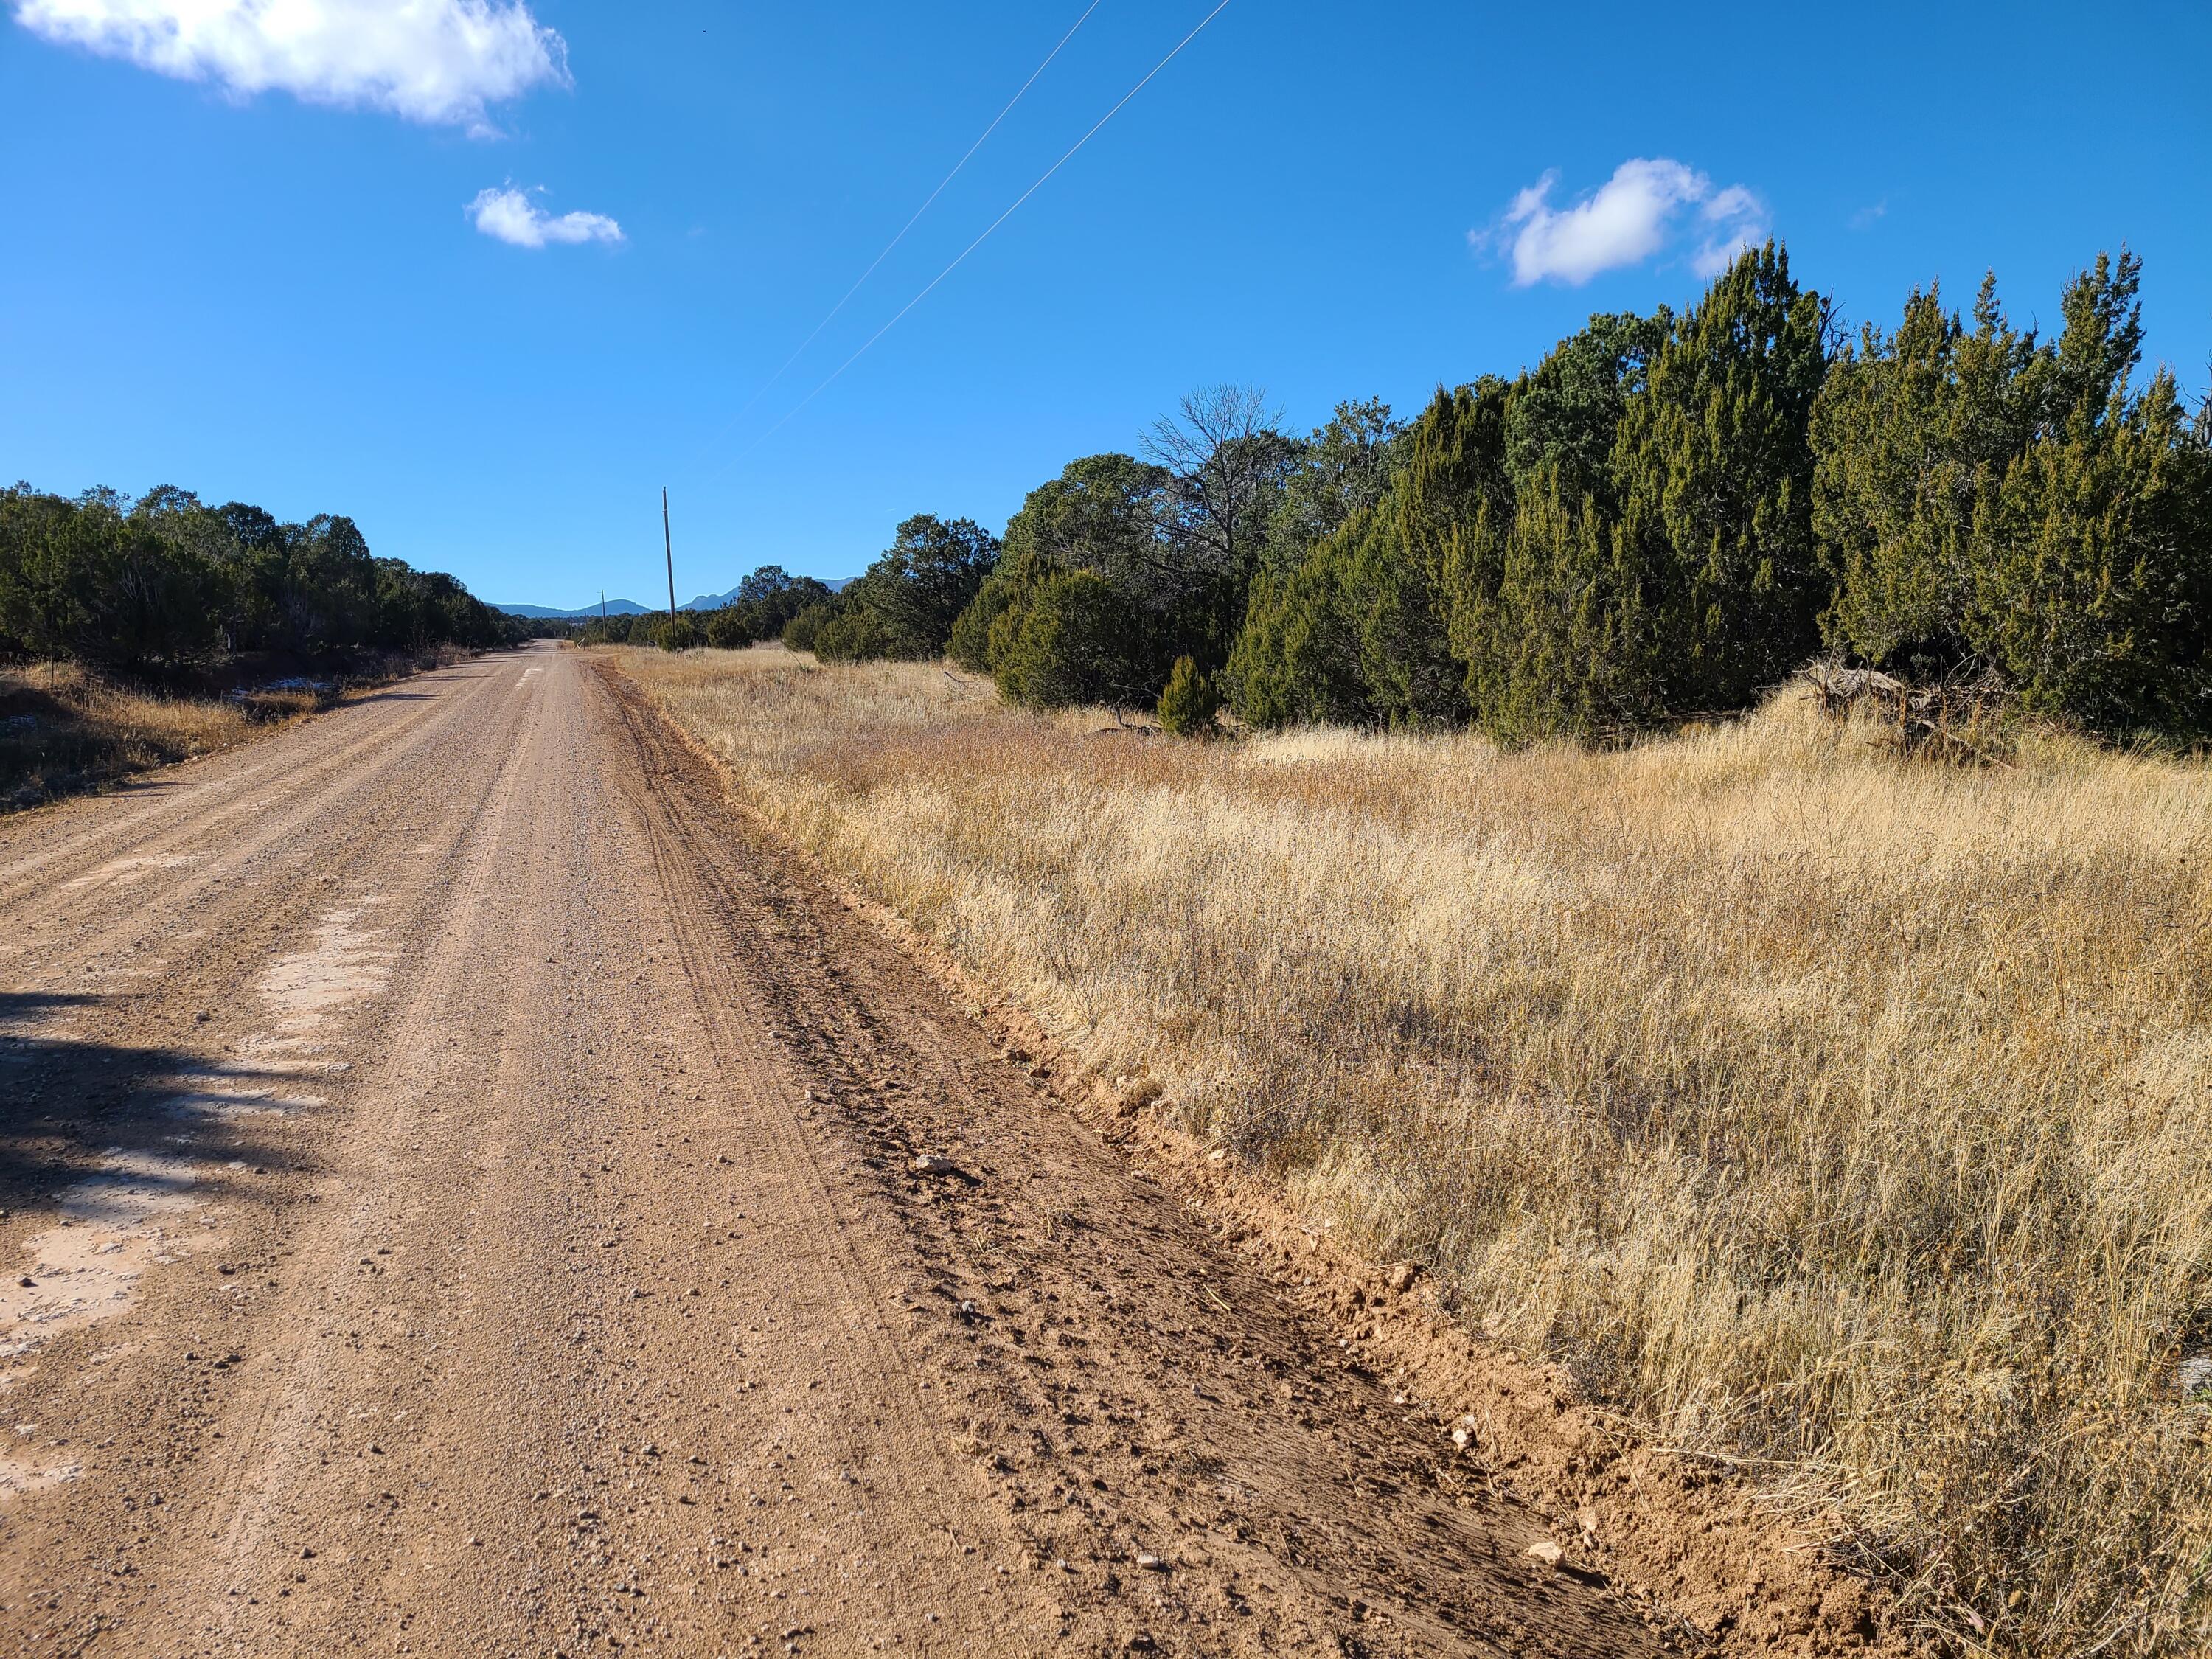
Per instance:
{"type": "Point", "coordinates": [268, 264]}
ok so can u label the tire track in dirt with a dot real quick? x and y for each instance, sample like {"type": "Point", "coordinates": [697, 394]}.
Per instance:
{"type": "Point", "coordinates": [204, 794]}
{"type": "Point", "coordinates": [272, 1442]}
{"type": "Point", "coordinates": [282, 794]}
{"type": "Point", "coordinates": [161, 1047]}
{"type": "Point", "coordinates": [914, 1464]}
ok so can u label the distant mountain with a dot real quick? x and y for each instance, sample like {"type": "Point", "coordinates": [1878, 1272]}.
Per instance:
{"type": "Point", "coordinates": [632, 608]}
{"type": "Point", "coordinates": [540, 612]}
{"type": "Point", "coordinates": [716, 601]}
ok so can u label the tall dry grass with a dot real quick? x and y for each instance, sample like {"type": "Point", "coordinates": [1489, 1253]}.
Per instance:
{"type": "Point", "coordinates": [64, 730]}
{"type": "Point", "coordinates": [1844, 1117]}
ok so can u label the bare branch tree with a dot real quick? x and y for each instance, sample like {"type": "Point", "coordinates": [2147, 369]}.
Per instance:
{"type": "Point", "coordinates": [1226, 446]}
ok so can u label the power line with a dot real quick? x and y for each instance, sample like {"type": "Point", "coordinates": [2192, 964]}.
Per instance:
{"type": "Point", "coordinates": [894, 242]}
{"type": "Point", "coordinates": [992, 225]}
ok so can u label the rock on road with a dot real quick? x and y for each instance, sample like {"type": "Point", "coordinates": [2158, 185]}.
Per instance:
{"type": "Point", "coordinates": [466, 1194]}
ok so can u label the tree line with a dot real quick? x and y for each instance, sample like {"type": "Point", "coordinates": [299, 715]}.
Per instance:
{"type": "Point", "coordinates": [165, 584]}
{"type": "Point", "coordinates": [1663, 518]}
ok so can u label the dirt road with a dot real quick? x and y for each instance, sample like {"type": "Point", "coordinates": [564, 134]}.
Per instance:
{"type": "Point", "coordinates": [461, 1198]}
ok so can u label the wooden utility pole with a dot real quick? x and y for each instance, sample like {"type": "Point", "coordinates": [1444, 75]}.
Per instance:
{"type": "Point", "coordinates": [669, 547]}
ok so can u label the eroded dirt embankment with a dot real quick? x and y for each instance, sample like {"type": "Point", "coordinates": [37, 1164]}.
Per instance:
{"type": "Point", "coordinates": [480, 1195]}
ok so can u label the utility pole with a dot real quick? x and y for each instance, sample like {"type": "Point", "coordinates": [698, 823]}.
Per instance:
{"type": "Point", "coordinates": [669, 547]}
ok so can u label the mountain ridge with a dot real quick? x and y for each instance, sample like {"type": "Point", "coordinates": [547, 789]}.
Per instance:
{"type": "Point", "coordinates": [632, 608]}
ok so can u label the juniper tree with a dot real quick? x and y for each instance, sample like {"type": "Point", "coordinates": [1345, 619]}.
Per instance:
{"type": "Point", "coordinates": [1297, 659]}
{"type": "Point", "coordinates": [1713, 567]}
{"type": "Point", "coordinates": [1911, 434]}
{"type": "Point", "coordinates": [727, 630]}
{"type": "Point", "coordinates": [1189, 702]}
{"type": "Point", "coordinates": [1548, 639]}
{"type": "Point", "coordinates": [1107, 516]}
{"type": "Point", "coordinates": [917, 589]}
{"type": "Point", "coordinates": [1342, 469]}
{"type": "Point", "coordinates": [1985, 497]}
{"type": "Point", "coordinates": [1066, 642]}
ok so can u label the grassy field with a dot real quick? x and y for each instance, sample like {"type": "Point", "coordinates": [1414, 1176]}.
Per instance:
{"type": "Point", "coordinates": [1844, 1117]}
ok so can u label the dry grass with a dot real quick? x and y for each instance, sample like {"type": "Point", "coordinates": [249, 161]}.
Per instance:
{"type": "Point", "coordinates": [1847, 1118]}
{"type": "Point", "coordinates": [64, 730]}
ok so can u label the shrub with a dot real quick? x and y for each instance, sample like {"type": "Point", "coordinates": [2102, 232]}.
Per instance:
{"type": "Point", "coordinates": [1191, 700]}
{"type": "Point", "coordinates": [676, 633]}
{"type": "Point", "coordinates": [855, 633]}
{"type": "Point", "coordinates": [970, 645]}
{"type": "Point", "coordinates": [803, 630]}
{"type": "Point", "coordinates": [1064, 642]}
{"type": "Point", "coordinates": [727, 630]}
{"type": "Point", "coordinates": [1296, 661]}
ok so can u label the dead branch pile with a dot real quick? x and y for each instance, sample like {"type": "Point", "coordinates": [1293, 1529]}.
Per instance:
{"type": "Point", "coordinates": [1953, 720]}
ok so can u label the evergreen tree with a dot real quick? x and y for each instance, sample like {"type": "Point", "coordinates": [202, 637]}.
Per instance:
{"type": "Point", "coordinates": [1985, 498]}
{"type": "Point", "coordinates": [917, 589]}
{"type": "Point", "coordinates": [1563, 646]}
{"type": "Point", "coordinates": [1341, 471]}
{"type": "Point", "coordinates": [1664, 517]}
{"type": "Point", "coordinates": [1650, 550]}
{"type": "Point", "coordinates": [1188, 707]}
{"type": "Point", "coordinates": [1360, 630]}
{"type": "Point", "coordinates": [803, 630]}
{"type": "Point", "coordinates": [765, 601]}
{"type": "Point", "coordinates": [1401, 573]}
{"type": "Point", "coordinates": [970, 645]}
{"type": "Point", "coordinates": [1105, 516]}
{"type": "Point", "coordinates": [854, 633]}
{"type": "Point", "coordinates": [1562, 417]}
{"type": "Point", "coordinates": [1296, 660]}
{"type": "Point", "coordinates": [2092, 565]}
{"type": "Point", "coordinates": [1714, 465]}
{"type": "Point", "coordinates": [1910, 435]}
{"type": "Point", "coordinates": [164, 586]}
{"type": "Point", "coordinates": [727, 630]}
{"type": "Point", "coordinates": [1065, 642]}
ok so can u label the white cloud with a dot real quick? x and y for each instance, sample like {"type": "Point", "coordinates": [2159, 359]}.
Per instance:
{"type": "Point", "coordinates": [435, 61]}
{"type": "Point", "coordinates": [1629, 218]}
{"type": "Point", "coordinates": [512, 217]}
{"type": "Point", "coordinates": [1734, 220]}
{"type": "Point", "coordinates": [1734, 203]}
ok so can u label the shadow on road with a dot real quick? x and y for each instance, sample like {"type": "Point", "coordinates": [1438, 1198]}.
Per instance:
{"type": "Point", "coordinates": [70, 1102]}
